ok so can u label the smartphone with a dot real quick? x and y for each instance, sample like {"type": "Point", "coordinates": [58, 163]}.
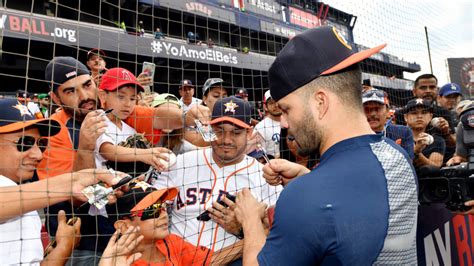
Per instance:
{"type": "Point", "coordinates": [205, 215]}
{"type": "Point", "coordinates": [149, 70]}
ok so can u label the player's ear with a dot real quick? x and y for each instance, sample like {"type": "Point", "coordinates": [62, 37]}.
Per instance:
{"type": "Point", "coordinates": [122, 225]}
{"type": "Point", "coordinates": [102, 95]}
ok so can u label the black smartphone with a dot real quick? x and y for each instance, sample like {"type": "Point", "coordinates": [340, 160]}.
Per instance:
{"type": "Point", "coordinates": [205, 215]}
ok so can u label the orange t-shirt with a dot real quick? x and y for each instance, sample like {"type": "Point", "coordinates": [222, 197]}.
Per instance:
{"type": "Point", "coordinates": [179, 252]}
{"type": "Point", "coordinates": [61, 153]}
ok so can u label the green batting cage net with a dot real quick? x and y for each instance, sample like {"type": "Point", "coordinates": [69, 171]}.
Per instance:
{"type": "Point", "coordinates": [131, 86]}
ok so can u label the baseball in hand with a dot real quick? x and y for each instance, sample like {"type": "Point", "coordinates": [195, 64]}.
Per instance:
{"type": "Point", "coordinates": [430, 140]}
{"type": "Point", "coordinates": [171, 161]}
{"type": "Point", "coordinates": [435, 122]}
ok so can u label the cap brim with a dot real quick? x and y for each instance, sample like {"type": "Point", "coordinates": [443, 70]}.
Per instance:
{"type": "Point", "coordinates": [367, 100]}
{"type": "Point", "coordinates": [355, 58]}
{"type": "Point", "coordinates": [47, 127]}
{"type": "Point", "coordinates": [236, 121]}
{"type": "Point", "coordinates": [451, 92]}
{"type": "Point", "coordinates": [150, 199]}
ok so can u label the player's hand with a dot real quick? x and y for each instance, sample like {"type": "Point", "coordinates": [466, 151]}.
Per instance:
{"type": "Point", "coordinates": [248, 209]}
{"type": "Point", "coordinates": [145, 100]}
{"type": "Point", "coordinates": [67, 236]}
{"type": "Point", "coordinates": [119, 249]}
{"type": "Point", "coordinates": [144, 79]}
{"type": "Point", "coordinates": [280, 171]}
{"type": "Point", "coordinates": [225, 216]}
{"type": "Point", "coordinates": [456, 159]}
{"type": "Point", "coordinates": [443, 126]}
{"type": "Point", "coordinates": [153, 157]}
{"type": "Point", "coordinates": [92, 127]}
{"type": "Point", "coordinates": [199, 112]}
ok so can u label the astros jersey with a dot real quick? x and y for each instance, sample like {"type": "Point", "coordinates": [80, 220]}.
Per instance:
{"type": "Point", "coordinates": [201, 182]}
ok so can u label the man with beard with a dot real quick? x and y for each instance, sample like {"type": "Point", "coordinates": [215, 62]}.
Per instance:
{"type": "Point", "coordinates": [376, 108]}
{"type": "Point", "coordinates": [72, 149]}
{"type": "Point", "coordinates": [269, 128]}
{"type": "Point", "coordinates": [205, 175]}
{"type": "Point", "coordinates": [359, 205]}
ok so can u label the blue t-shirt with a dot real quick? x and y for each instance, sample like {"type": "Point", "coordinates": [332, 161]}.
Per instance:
{"type": "Point", "coordinates": [357, 207]}
{"type": "Point", "coordinates": [403, 136]}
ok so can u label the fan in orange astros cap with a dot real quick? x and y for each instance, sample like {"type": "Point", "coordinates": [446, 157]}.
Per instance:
{"type": "Point", "coordinates": [145, 207]}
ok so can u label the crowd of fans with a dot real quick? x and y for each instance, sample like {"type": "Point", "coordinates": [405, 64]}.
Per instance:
{"type": "Point", "coordinates": [91, 111]}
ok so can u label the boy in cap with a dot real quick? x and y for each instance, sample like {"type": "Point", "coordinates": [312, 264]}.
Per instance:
{"type": "Point", "coordinates": [145, 207]}
{"type": "Point", "coordinates": [429, 149]}
{"type": "Point", "coordinates": [24, 139]}
{"type": "Point", "coordinates": [212, 90]}
{"type": "Point", "coordinates": [118, 92]}
{"type": "Point", "coordinates": [186, 91]}
{"type": "Point", "coordinates": [364, 188]}
{"type": "Point", "coordinates": [206, 175]}
{"type": "Point", "coordinates": [376, 108]}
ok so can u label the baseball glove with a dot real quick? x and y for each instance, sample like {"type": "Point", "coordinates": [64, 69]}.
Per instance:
{"type": "Point", "coordinates": [137, 141]}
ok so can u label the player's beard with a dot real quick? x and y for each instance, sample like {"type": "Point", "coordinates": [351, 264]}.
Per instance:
{"type": "Point", "coordinates": [307, 135]}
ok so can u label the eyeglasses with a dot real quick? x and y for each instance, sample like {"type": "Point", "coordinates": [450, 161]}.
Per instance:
{"type": "Point", "coordinates": [371, 93]}
{"type": "Point", "coordinates": [25, 143]}
{"type": "Point", "coordinates": [152, 212]}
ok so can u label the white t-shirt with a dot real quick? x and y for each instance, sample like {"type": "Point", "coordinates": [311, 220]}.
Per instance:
{"type": "Point", "coordinates": [113, 135]}
{"type": "Point", "coordinates": [20, 237]}
{"type": "Point", "coordinates": [200, 182]}
{"type": "Point", "coordinates": [270, 131]}
{"type": "Point", "coordinates": [33, 107]}
{"type": "Point", "coordinates": [194, 101]}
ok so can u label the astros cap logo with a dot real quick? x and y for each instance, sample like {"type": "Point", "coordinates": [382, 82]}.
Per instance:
{"type": "Point", "coordinates": [341, 38]}
{"type": "Point", "coordinates": [230, 107]}
{"type": "Point", "coordinates": [22, 109]}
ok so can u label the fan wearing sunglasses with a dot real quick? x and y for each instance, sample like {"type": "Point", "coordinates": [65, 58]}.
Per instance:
{"type": "Point", "coordinates": [22, 142]}
{"type": "Point", "coordinates": [142, 220]}
{"type": "Point", "coordinates": [376, 109]}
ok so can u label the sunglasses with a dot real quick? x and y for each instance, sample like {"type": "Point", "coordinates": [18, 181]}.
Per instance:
{"type": "Point", "coordinates": [152, 212]}
{"type": "Point", "coordinates": [371, 93]}
{"type": "Point", "coordinates": [25, 143]}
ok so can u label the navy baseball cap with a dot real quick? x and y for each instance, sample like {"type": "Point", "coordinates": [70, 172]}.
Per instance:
{"type": "Point", "coordinates": [241, 92]}
{"type": "Point", "coordinates": [232, 109]}
{"type": "Point", "coordinates": [16, 116]}
{"type": "Point", "coordinates": [62, 69]}
{"type": "Point", "coordinates": [210, 83]}
{"type": "Point", "coordinates": [450, 88]}
{"type": "Point", "coordinates": [415, 103]}
{"type": "Point", "coordinates": [313, 53]}
{"type": "Point", "coordinates": [186, 83]}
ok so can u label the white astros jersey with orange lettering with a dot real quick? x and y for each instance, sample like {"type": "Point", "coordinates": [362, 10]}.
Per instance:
{"type": "Point", "coordinates": [201, 182]}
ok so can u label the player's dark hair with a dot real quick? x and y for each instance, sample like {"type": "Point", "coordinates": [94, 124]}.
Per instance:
{"type": "Point", "coordinates": [346, 84]}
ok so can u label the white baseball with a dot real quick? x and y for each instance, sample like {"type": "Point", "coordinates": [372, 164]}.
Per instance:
{"type": "Point", "coordinates": [171, 161]}
{"type": "Point", "coordinates": [435, 122]}
{"type": "Point", "coordinates": [430, 140]}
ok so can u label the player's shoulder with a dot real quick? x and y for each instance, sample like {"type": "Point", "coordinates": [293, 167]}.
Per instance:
{"type": "Point", "coordinates": [195, 158]}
